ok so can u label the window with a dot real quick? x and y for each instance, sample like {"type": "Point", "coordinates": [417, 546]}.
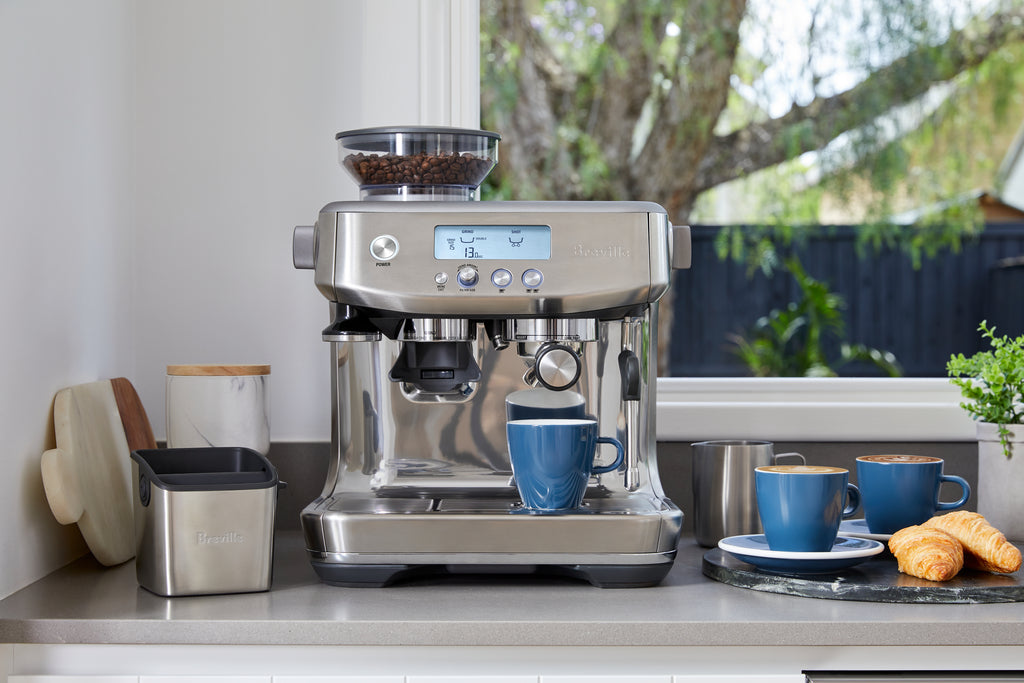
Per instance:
{"type": "Point", "coordinates": [830, 145]}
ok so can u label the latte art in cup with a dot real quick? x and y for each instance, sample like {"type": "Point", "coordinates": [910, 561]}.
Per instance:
{"type": "Point", "coordinates": [801, 506]}
{"type": "Point", "coordinates": [899, 458]}
{"type": "Point", "coordinates": [801, 469]}
{"type": "Point", "coordinates": [903, 490]}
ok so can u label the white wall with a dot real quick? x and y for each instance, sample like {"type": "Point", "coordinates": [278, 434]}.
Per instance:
{"type": "Point", "coordinates": [66, 160]}
{"type": "Point", "coordinates": [154, 157]}
{"type": "Point", "coordinates": [239, 102]}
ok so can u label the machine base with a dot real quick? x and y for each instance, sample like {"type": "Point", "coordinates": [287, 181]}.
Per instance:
{"type": "Point", "coordinates": [600, 575]}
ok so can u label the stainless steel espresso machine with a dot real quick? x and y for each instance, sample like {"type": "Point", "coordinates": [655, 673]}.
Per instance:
{"type": "Point", "coordinates": [440, 307]}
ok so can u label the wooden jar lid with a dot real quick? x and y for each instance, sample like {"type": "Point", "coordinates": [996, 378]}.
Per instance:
{"type": "Point", "coordinates": [212, 370]}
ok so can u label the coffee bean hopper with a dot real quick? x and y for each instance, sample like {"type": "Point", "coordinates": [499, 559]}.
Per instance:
{"type": "Point", "coordinates": [440, 306]}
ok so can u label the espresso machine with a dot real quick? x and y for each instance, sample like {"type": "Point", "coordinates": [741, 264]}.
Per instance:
{"type": "Point", "coordinates": [441, 306]}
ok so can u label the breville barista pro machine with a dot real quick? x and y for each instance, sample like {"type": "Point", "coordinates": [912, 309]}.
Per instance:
{"type": "Point", "coordinates": [440, 307]}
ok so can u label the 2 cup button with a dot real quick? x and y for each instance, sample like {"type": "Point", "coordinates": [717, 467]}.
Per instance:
{"type": "Point", "coordinates": [532, 278]}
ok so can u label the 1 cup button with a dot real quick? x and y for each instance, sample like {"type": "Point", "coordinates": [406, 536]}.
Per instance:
{"type": "Point", "coordinates": [501, 278]}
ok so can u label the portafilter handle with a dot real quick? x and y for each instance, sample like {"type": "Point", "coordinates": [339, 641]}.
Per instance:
{"type": "Point", "coordinates": [557, 367]}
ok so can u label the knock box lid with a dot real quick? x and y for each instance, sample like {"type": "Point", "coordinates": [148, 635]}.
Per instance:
{"type": "Point", "coordinates": [216, 370]}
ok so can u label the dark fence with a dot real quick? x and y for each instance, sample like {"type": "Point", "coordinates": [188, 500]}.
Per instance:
{"type": "Point", "coordinates": [921, 315]}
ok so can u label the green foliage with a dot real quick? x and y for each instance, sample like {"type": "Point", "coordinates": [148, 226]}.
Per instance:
{"type": "Point", "coordinates": [791, 342]}
{"type": "Point", "coordinates": [992, 382]}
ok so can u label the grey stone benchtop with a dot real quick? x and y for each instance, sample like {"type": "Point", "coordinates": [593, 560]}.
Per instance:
{"type": "Point", "coordinates": [87, 603]}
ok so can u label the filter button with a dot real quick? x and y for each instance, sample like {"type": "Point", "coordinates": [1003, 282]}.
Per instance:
{"type": "Point", "coordinates": [468, 276]}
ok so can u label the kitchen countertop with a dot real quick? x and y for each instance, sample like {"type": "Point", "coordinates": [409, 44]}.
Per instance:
{"type": "Point", "coordinates": [87, 603]}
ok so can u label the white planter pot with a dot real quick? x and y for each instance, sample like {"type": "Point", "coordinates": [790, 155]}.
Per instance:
{"type": "Point", "coordinates": [1001, 480]}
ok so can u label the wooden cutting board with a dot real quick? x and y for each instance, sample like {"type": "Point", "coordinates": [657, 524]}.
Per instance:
{"type": "Point", "coordinates": [87, 477]}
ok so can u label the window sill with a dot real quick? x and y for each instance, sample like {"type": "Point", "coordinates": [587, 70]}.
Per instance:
{"type": "Point", "coordinates": [811, 409]}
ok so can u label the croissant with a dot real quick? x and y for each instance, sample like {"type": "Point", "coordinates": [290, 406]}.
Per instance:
{"type": "Point", "coordinates": [986, 547]}
{"type": "Point", "coordinates": [927, 553]}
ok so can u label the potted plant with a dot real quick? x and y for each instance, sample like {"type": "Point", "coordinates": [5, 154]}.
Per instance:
{"type": "Point", "coordinates": [992, 384]}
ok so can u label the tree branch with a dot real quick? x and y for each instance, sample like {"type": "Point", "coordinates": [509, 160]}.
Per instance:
{"type": "Point", "coordinates": [531, 155]}
{"type": "Point", "coordinates": [622, 81]}
{"type": "Point", "coordinates": [686, 115]}
{"type": "Point", "coordinates": [810, 127]}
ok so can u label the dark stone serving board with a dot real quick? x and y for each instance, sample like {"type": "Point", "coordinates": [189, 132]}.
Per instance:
{"type": "Point", "coordinates": [875, 580]}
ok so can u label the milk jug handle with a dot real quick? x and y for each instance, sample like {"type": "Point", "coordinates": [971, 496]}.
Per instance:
{"type": "Point", "coordinates": [775, 458]}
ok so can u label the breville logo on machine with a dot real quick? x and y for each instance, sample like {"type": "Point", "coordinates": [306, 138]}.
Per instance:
{"type": "Point", "coordinates": [203, 538]}
{"type": "Point", "coordinates": [612, 251]}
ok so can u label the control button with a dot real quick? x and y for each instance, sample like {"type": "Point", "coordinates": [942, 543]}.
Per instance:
{"type": "Point", "coordinates": [468, 277]}
{"type": "Point", "coordinates": [501, 278]}
{"type": "Point", "coordinates": [384, 248]}
{"type": "Point", "coordinates": [533, 278]}
{"type": "Point", "coordinates": [441, 278]}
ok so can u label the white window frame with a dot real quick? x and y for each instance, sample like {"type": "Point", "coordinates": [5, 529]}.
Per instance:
{"type": "Point", "coordinates": [811, 409]}
{"type": "Point", "coordinates": [449, 62]}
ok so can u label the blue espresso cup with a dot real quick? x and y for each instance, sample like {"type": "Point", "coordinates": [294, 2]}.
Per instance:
{"type": "Point", "coordinates": [801, 506]}
{"type": "Point", "coordinates": [544, 404]}
{"type": "Point", "coordinates": [552, 460]}
{"type": "Point", "coordinates": [903, 490]}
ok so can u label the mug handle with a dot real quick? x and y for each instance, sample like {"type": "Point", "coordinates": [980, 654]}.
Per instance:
{"type": "Point", "coordinates": [775, 458]}
{"type": "Point", "coordinates": [620, 455]}
{"type": "Point", "coordinates": [853, 498]}
{"type": "Point", "coordinates": [965, 489]}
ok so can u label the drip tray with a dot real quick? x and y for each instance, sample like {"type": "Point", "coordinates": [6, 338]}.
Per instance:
{"type": "Point", "coordinates": [481, 505]}
{"type": "Point", "coordinates": [368, 504]}
{"type": "Point", "coordinates": [631, 505]}
{"type": "Point", "coordinates": [356, 504]}
{"type": "Point", "coordinates": [360, 528]}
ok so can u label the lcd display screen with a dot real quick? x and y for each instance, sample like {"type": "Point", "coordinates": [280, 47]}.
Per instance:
{"type": "Point", "coordinates": [502, 242]}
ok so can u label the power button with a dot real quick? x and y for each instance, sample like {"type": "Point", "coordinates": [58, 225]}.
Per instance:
{"type": "Point", "coordinates": [384, 248]}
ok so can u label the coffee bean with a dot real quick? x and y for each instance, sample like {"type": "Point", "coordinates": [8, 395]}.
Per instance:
{"type": "Point", "coordinates": [464, 169]}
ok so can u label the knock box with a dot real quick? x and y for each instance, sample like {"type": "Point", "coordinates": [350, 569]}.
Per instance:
{"type": "Point", "coordinates": [204, 520]}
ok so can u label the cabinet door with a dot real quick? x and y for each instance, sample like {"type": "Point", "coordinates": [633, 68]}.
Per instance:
{"type": "Point", "coordinates": [339, 679]}
{"type": "Point", "coordinates": [471, 679]}
{"type": "Point", "coordinates": [185, 678]}
{"type": "Point", "coordinates": [606, 679]}
{"type": "Point", "coordinates": [746, 678]}
{"type": "Point", "coordinates": [70, 678]}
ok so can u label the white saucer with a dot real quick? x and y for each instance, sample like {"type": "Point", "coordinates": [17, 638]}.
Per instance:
{"type": "Point", "coordinates": [846, 552]}
{"type": "Point", "coordinates": [858, 528]}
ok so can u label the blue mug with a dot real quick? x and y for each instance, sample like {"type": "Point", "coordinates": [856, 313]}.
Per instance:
{"type": "Point", "coordinates": [903, 490]}
{"type": "Point", "coordinates": [552, 460]}
{"type": "Point", "coordinates": [544, 404]}
{"type": "Point", "coordinates": [801, 506]}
